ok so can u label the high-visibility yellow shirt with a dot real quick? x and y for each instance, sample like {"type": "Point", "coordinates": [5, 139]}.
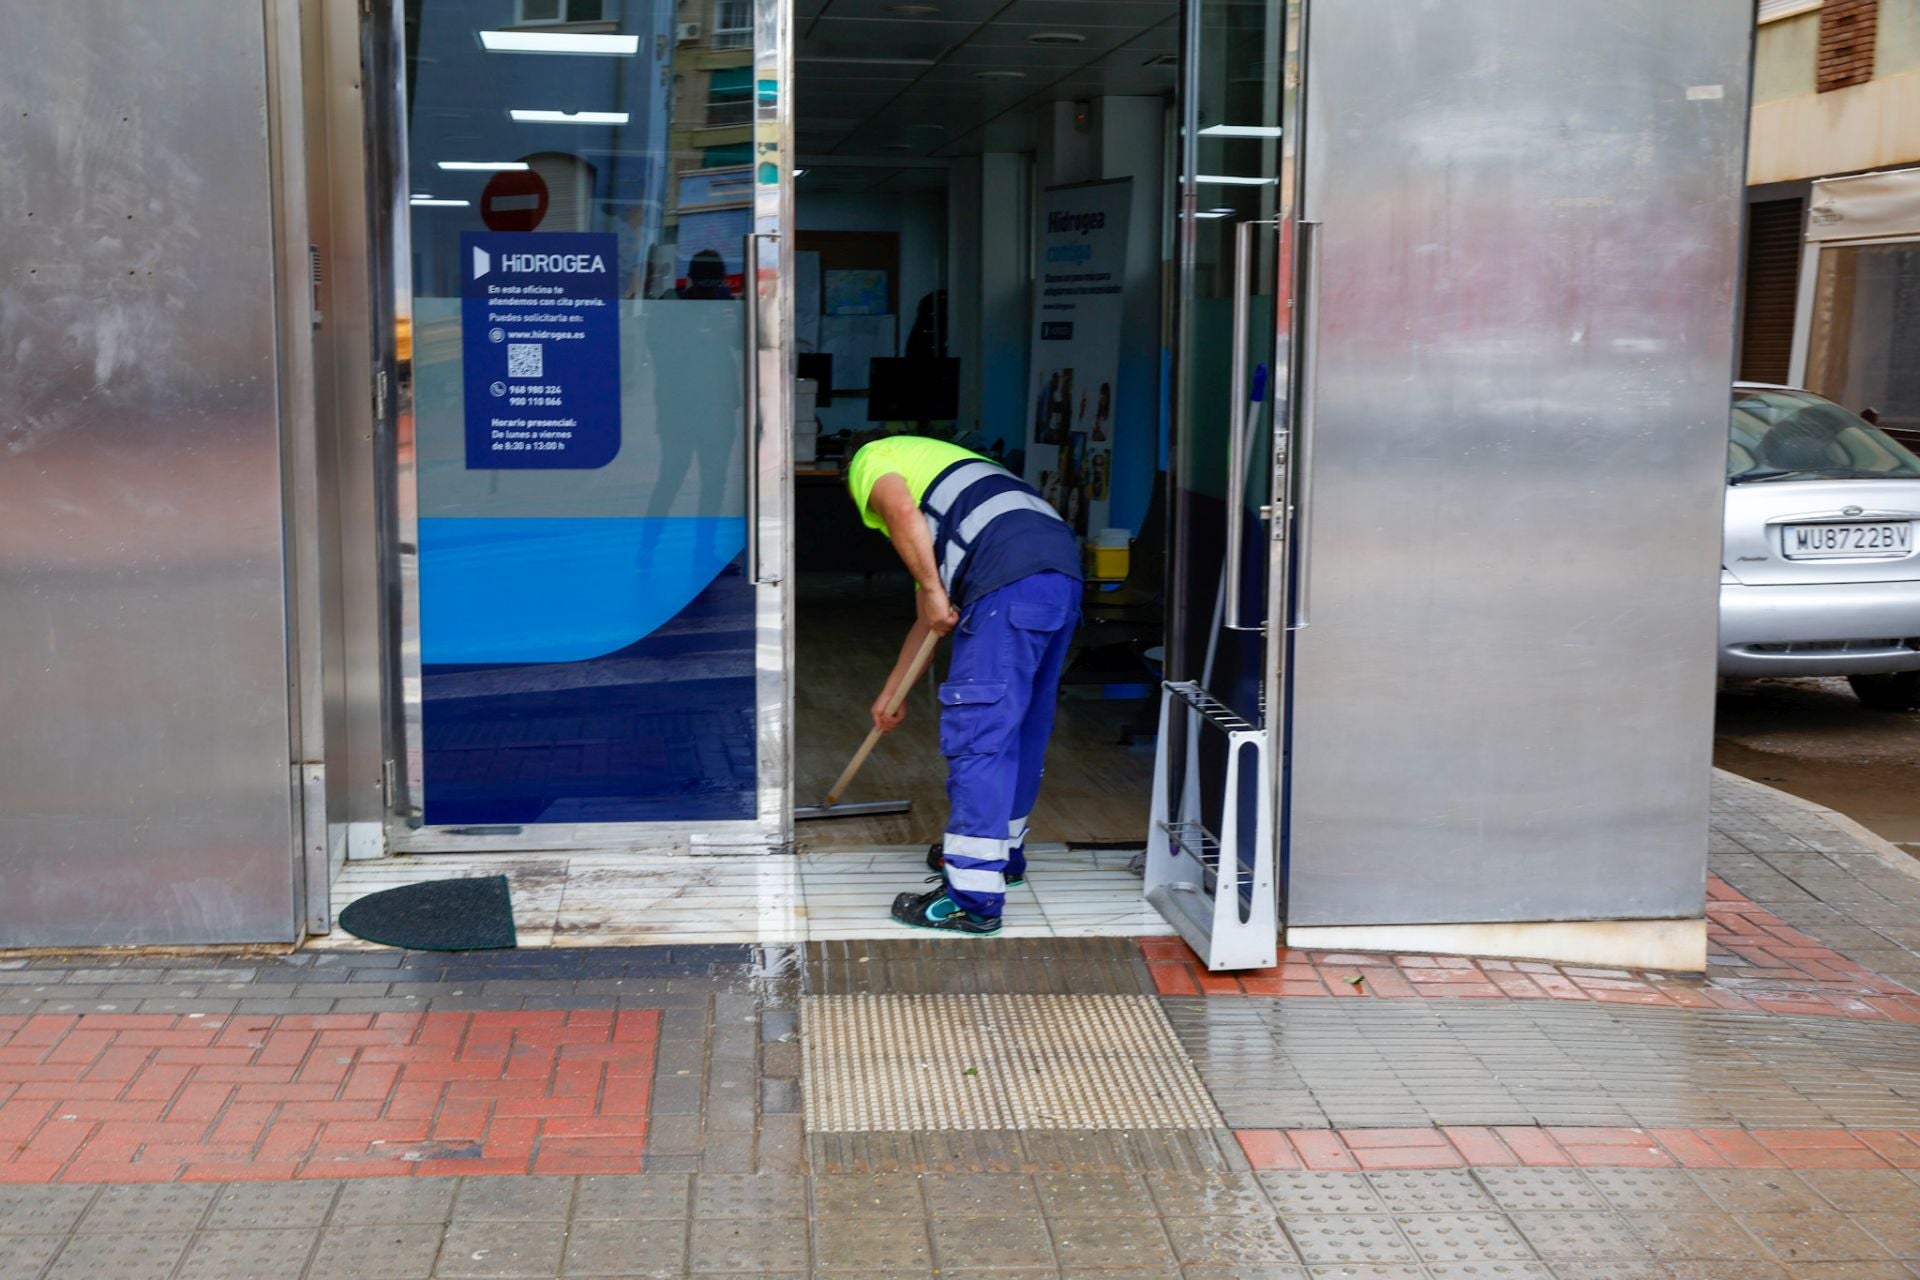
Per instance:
{"type": "Point", "coordinates": [915, 459]}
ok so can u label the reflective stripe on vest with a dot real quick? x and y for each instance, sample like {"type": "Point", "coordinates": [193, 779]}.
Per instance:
{"type": "Point", "coordinates": [964, 501]}
{"type": "Point", "coordinates": [954, 482]}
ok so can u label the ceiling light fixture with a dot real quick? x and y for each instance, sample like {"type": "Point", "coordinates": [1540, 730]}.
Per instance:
{"type": "Point", "coordinates": [1214, 213]}
{"type": "Point", "coordinates": [1056, 37]}
{"type": "Point", "coordinates": [569, 117]}
{"type": "Point", "coordinates": [999, 75]}
{"type": "Point", "coordinates": [865, 62]}
{"type": "Point", "coordinates": [485, 166]}
{"type": "Point", "coordinates": [428, 202]}
{"type": "Point", "coordinates": [798, 172]}
{"type": "Point", "coordinates": [1239, 131]}
{"type": "Point", "coordinates": [1226, 180]}
{"type": "Point", "coordinates": [542, 42]}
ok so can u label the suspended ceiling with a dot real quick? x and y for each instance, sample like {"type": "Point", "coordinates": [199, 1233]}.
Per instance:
{"type": "Point", "coordinates": [876, 81]}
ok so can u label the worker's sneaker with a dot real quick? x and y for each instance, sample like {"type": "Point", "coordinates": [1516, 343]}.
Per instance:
{"type": "Point", "coordinates": [937, 861]}
{"type": "Point", "coordinates": [935, 910]}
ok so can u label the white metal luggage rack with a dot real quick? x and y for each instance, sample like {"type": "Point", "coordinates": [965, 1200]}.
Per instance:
{"type": "Point", "coordinates": [1224, 907]}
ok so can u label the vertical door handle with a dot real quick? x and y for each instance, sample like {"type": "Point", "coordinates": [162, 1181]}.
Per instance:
{"type": "Point", "coordinates": [750, 394]}
{"type": "Point", "coordinates": [1306, 316]}
{"type": "Point", "coordinates": [1237, 421]}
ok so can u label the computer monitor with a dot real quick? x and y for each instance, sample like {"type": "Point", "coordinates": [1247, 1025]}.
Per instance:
{"type": "Point", "coordinates": [906, 389]}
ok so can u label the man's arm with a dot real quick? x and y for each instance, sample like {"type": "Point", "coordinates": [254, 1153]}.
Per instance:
{"type": "Point", "coordinates": [893, 502]}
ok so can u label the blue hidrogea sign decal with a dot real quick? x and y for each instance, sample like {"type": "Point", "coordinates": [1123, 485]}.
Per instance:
{"type": "Point", "coordinates": [540, 349]}
{"type": "Point", "coordinates": [523, 590]}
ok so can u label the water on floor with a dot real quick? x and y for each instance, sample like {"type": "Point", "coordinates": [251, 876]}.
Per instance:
{"type": "Point", "coordinates": [849, 632]}
{"type": "Point", "coordinates": [616, 898]}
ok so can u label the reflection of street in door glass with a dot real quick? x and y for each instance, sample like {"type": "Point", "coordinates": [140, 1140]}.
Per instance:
{"type": "Point", "coordinates": [523, 360]}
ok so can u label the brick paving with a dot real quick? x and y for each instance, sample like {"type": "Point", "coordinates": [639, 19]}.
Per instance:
{"type": "Point", "coordinates": [1479, 1135]}
{"type": "Point", "coordinates": [1590, 1147]}
{"type": "Point", "coordinates": [153, 1097]}
{"type": "Point", "coordinates": [1758, 962]}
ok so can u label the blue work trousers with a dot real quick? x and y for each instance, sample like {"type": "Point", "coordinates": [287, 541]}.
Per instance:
{"type": "Point", "coordinates": [996, 714]}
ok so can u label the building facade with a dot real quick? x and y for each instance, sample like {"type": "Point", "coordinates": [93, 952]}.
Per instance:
{"type": "Point", "coordinates": [1832, 271]}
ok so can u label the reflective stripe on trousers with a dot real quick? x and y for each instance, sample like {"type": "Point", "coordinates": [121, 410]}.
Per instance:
{"type": "Point", "coordinates": [996, 717]}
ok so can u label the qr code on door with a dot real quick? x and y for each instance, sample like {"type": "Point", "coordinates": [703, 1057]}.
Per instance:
{"type": "Point", "coordinates": [523, 360]}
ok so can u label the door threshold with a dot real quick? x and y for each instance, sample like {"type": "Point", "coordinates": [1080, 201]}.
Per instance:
{"type": "Point", "coordinates": [596, 898]}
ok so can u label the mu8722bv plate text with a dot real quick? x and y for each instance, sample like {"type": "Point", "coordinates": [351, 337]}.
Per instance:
{"type": "Point", "coordinates": [1840, 541]}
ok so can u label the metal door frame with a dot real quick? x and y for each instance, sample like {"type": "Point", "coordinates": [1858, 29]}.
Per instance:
{"type": "Point", "coordinates": [769, 496]}
{"type": "Point", "coordinates": [1183, 903]}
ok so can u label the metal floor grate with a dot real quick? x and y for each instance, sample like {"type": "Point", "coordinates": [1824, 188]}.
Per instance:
{"type": "Point", "coordinates": [921, 1063]}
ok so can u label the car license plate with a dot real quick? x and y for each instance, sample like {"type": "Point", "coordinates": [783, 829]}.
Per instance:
{"type": "Point", "coordinates": [1838, 541]}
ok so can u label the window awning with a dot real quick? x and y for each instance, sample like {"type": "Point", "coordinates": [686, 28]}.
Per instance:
{"type": "Point", "coordinates": [1865, 205]}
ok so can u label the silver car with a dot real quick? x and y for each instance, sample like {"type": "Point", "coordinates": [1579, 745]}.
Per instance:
{"type": "Point", "coordinates": [1820, 574]}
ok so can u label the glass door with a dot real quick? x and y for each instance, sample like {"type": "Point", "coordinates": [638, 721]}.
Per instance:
{"type": "Point", "coordinates": [1864, 328]}
{"type": "Point", "coordinates": [1213, 868]}
{"type": "Point", "coordinates": [590, 480]}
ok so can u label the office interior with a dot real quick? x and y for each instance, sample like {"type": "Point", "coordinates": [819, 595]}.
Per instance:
{"type": "Point", "coordinates": [926, 137]}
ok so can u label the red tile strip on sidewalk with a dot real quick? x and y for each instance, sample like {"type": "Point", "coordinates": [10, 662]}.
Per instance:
{"type": "Point", "coordinates": [153, 1097]}
{"type": "Point", "coordinates": [1761, 965]}
{"type": "Point", "coordinates": [1457, 1147]}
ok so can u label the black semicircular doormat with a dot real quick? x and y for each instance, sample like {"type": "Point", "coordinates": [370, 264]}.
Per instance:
{"type": "Point", "coordinates": [473, 914]}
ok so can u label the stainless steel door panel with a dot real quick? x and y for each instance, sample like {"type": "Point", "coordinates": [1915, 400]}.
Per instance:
{"type": "Point", "coordinates": [145, 788]}
{"type": "Point", "coordinates": [1529, 223]}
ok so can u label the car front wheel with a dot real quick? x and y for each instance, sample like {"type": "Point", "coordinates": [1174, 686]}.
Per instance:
{"type": "Point", "coordinates": [1899, 691]}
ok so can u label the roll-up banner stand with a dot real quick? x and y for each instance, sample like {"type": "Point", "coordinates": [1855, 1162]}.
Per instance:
{"type": "Point", "coordinates": [1077, 310]}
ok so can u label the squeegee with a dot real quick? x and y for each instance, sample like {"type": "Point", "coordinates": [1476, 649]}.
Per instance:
{"type": "Point", "coordinates": [831, 806]}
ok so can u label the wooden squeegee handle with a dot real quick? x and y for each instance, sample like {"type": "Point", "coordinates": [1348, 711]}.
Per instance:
{"type": "Point", "coordinates": [920, 661]}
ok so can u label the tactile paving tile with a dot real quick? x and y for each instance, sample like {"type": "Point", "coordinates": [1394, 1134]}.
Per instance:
{"type": "Point", "coordinates": [868, 1195]}
{"type": "Point", "coordinates": [1580, 1235]}
{"type": "Point", "coordinates": [627, 1248]}
{"type": "Point", "coordinates": [368, 1202]}
{"type": "Point", "coordinates": [1091, 1195]}
{"type": "Point", "coordinates": [33, 1209]}
{"type": "Point", "coordinates": [1308, 1191]}
{"type": "Point", "coordinates": [1371, 1238]}
{"type": "Point", "coordinates": [1652, 1190]}
{"type": "Point", "coordinates": [1541, 1189]}
{"type": "Point", "coordinates": [1462, 1237]}
{"type": "Point", "coordinates": [377, 1250]}
{"type": "Point", "coordinates": [1241, 1241]}
{"type": "Point", "coordinates": [246, 1255]}
{"type": "Point", "coordinates": [1430, 1191]}
{"type": "Point", "coordinates": [141, 1256]}
{"type": "Point", "coordinates": [633, 1195]}
{"type": "Point", "coordinates": [1619, 1269]}
{"type": "Point", "coordinates": [736, 1245]}
{"type": "Point", "coordinates": [134, 1210]}
{"type": "Point", "coordinates": [1866, 1190]}
{"type": "Point", "coordinates": [871, 1244]}
{"type": "Point", "coordinates": [259, 1205]}
{"type": "Point", "coordinates": [26, 1255]}
{"type": "Point", "coordinates": [750, 1195]}
{"type": "Point", "coordinates": [950, 1062]}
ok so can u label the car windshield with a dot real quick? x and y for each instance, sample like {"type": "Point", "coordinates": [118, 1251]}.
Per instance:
{"type": "Point", "coordinates": [1794, 435]}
